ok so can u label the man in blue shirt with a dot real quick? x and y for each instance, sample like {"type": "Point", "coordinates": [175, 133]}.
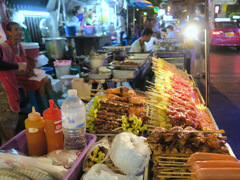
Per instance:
{"type": "Point", "coordinates": [171, 33]}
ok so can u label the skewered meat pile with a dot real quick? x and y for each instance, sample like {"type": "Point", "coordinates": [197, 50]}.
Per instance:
{"type": "Point", "coordinates": [172, 148]}
{"type": "Point", "coordinates": [173, 101]}
{"type": "Point", "coordinates": [117, 110]}
{"type": "Point", "coordinates": [185, 141]}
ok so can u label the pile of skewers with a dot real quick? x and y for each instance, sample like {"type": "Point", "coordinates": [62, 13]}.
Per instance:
{"type": "Point", "coordinates": [117, 110]}
{"type": "Point", "coordinates": [172, 148]}
{"type": "Point", "coordinates": [172, 100]}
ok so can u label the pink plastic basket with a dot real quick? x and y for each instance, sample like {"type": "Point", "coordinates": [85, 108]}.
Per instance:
{"type": "Point", "coordinates": [62, 62]}
{"type": "Point", "coordinates": [19, 142]}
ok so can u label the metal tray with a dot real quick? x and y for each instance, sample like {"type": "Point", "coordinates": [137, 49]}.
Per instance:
{"type": "Point", "coordinates": [199, 98]}
{"type": "Point", "coordinates": [124, 74]}
{"type": "Point", "coordinates": [125, 66]}
{"type": "Point", "coordinates": [192, 80]}
{"type": "Point", "coordinates": [99, 76]}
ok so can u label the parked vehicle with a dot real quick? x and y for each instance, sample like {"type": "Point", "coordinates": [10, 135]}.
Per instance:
{"type": "Point", "coordinates": [226, 33]}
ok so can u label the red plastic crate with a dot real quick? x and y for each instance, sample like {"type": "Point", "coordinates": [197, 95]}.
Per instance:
{"type": "Point", "coordinates": [19, 142]}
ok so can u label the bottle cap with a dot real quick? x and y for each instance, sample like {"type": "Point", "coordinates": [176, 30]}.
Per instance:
{"type": "Point", "coordinates": [72, 92]}
{"type": "Point", "coordinates": [34, 116]}
{"type": "Point", "coordinates": [52, 113]}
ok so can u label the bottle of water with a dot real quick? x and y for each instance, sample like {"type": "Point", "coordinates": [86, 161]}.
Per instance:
{"type": "Point", "coordinates": [74, 122]}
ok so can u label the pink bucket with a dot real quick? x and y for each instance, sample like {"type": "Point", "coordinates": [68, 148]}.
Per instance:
{"type": "Point", "coordinates": [62, 67]}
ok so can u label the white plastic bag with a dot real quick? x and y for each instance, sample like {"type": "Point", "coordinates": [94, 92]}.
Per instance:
{"type": "Point", "coordinates": [41, 61]}
{"type": "Point", "coordinates": [130, 153]}
{"type": "Point", "coordinates": [102, 172]}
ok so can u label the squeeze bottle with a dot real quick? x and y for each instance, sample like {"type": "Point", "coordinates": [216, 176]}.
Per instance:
{"type": "Point", "coordinates": [36, 138]}
{"type": "Point", "coordinates": [53, 127]}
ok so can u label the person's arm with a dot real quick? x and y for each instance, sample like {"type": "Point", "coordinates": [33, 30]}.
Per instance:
{"type": "Point", "coordinates": [89, 12]}
{"type": "Point", "coordinates": [6, 66]}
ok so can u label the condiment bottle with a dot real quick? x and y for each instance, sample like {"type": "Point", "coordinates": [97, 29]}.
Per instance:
{"type": "Point", "coordinates": [36, 138]}
{"type": "Point", "coordinates": [53, 127]}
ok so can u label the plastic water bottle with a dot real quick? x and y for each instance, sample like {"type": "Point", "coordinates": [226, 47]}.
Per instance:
{"type": "Point", "coordinates": [74, 122]}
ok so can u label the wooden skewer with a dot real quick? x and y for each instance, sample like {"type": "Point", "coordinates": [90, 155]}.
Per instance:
{"type": "Point", "coordinates": [197, 131]}
{"type": "Point", "coordinates": [170, 162]}
{"type": "Point", "coordinates": [117, 129]}
{"type": "Point", "coordinates": [178, 177]}
{"type": "Point", "coordinates": [99, 90]}
{"type": "Point", "coordinates": [173, 157]}
{"type": "Point", "coordinates": [177, 173]}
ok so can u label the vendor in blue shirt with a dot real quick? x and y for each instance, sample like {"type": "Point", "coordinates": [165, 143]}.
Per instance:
{"type": "Point", "coordinates": [79, 13]}
{"type": "Point", "coordinates": [171, 33]}
{"type": "Point", "coordinates": [139, 44]}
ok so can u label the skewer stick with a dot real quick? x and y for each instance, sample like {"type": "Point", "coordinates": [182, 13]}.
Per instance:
{"type": "Point", "coordinates": [221, 131]}
{"type": "Point", "coordinates": [99, 90]}
{"type": "Point", "coordinates": [178, 177]}
{"type": "Point", "coordinates": [117, 129]}
{"type": "Point", "coordinates": [169, 157]}
{"type": "Point", "coordinates": [177, 173]}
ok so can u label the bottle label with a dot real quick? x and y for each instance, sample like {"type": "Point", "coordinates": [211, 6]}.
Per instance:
{"type": "Point", "coordinates": [58, 126]}
{"type": "Point", "coordinates": [73, 122]}
{"type": "Point", "coordinates": [32, 130]}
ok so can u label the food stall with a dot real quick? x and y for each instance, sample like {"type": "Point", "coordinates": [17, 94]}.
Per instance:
{"type": "Point", "coordinates": [154, 134]}
{"type": "Point", "coordinates": [93, 36]}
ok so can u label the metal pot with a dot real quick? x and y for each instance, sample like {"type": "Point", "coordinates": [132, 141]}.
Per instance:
{"type": "Point", "coordinates": [55, 47]}
{"type": "Point", "coordinates": [96, 61]}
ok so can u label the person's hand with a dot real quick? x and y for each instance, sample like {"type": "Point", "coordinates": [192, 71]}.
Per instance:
{"type": "Point", "coordinates": [22, 66]}
{"type": "Point", "coordinates": [31, 73]}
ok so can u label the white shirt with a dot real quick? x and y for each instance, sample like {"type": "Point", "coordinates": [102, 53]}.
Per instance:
{"type": "Point", "coordinates": [136, 46]}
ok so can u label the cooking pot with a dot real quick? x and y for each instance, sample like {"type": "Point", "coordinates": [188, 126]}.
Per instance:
{"type": "Point", "coordinates": [96, 61]}
{"type": "Point", "coordinates": [118, 55]}
{"type": "Point", "coordinates": [55, 47]}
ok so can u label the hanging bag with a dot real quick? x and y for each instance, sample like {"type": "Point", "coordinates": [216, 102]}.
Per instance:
{"type": "Point", "coordinates": [6, 16]}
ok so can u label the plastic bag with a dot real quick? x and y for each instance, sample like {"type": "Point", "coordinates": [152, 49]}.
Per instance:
{"type": "Point", "coordinates": [102, 172]}
{"type": "Point", "coordinates": [41, 61]}
{"type": "Point", "coordinates": [103, 146]}
{"type": "Point", "coordinates": [30, 162]}
{"type": "Point", "coordinates": [64, 158]}
{"type": "Point", "coordinates": [130, 153]}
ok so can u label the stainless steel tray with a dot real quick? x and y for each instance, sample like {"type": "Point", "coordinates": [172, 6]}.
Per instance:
{"type": "Point", "coordinates": [199, 98]}
{"type": "Point", "coordinates": [192, 80]}
{"type": "Point", "coordinates": [125, 66]}
{"type": "Point", "coordinates": [124, 74]}
{"type": "Point", "coordinates": [99, 76]}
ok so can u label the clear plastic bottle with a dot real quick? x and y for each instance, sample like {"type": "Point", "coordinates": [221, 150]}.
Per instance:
{"type": "Point", "coordinates": [74, 122]}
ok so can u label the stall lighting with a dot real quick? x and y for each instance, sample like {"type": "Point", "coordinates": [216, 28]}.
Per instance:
{"type": "Point", "coordinates": [34, 13]}
{"type": "Point", "coordinates": [137, 9]}
{"type": "Point", "coordinates": [135, 19]}
{"type": "Point", "coordinates": [191, 31]}
{"type": "Point", "coordinates": [145, 13]}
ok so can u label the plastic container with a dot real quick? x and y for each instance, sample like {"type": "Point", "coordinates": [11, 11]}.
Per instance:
{"type": "Point", "coordinates": [19, 142]}
{"type": "Point", "coordinates": [36, 138]}
{"type": "Point", "coordinates": [70, 30]}
{"type": "Point", "coordinates": [74, 122]}
{"type": "Point", "coordinates": [48, 70]}
{"type": "Point", "coordinates": [53, 127]}
{"type": "Point", "coordinates": [62, 67]}
{"type": "Point", "coordinates": [89, 30]}
{"type": "Point", "coordinates": [32, 51]}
